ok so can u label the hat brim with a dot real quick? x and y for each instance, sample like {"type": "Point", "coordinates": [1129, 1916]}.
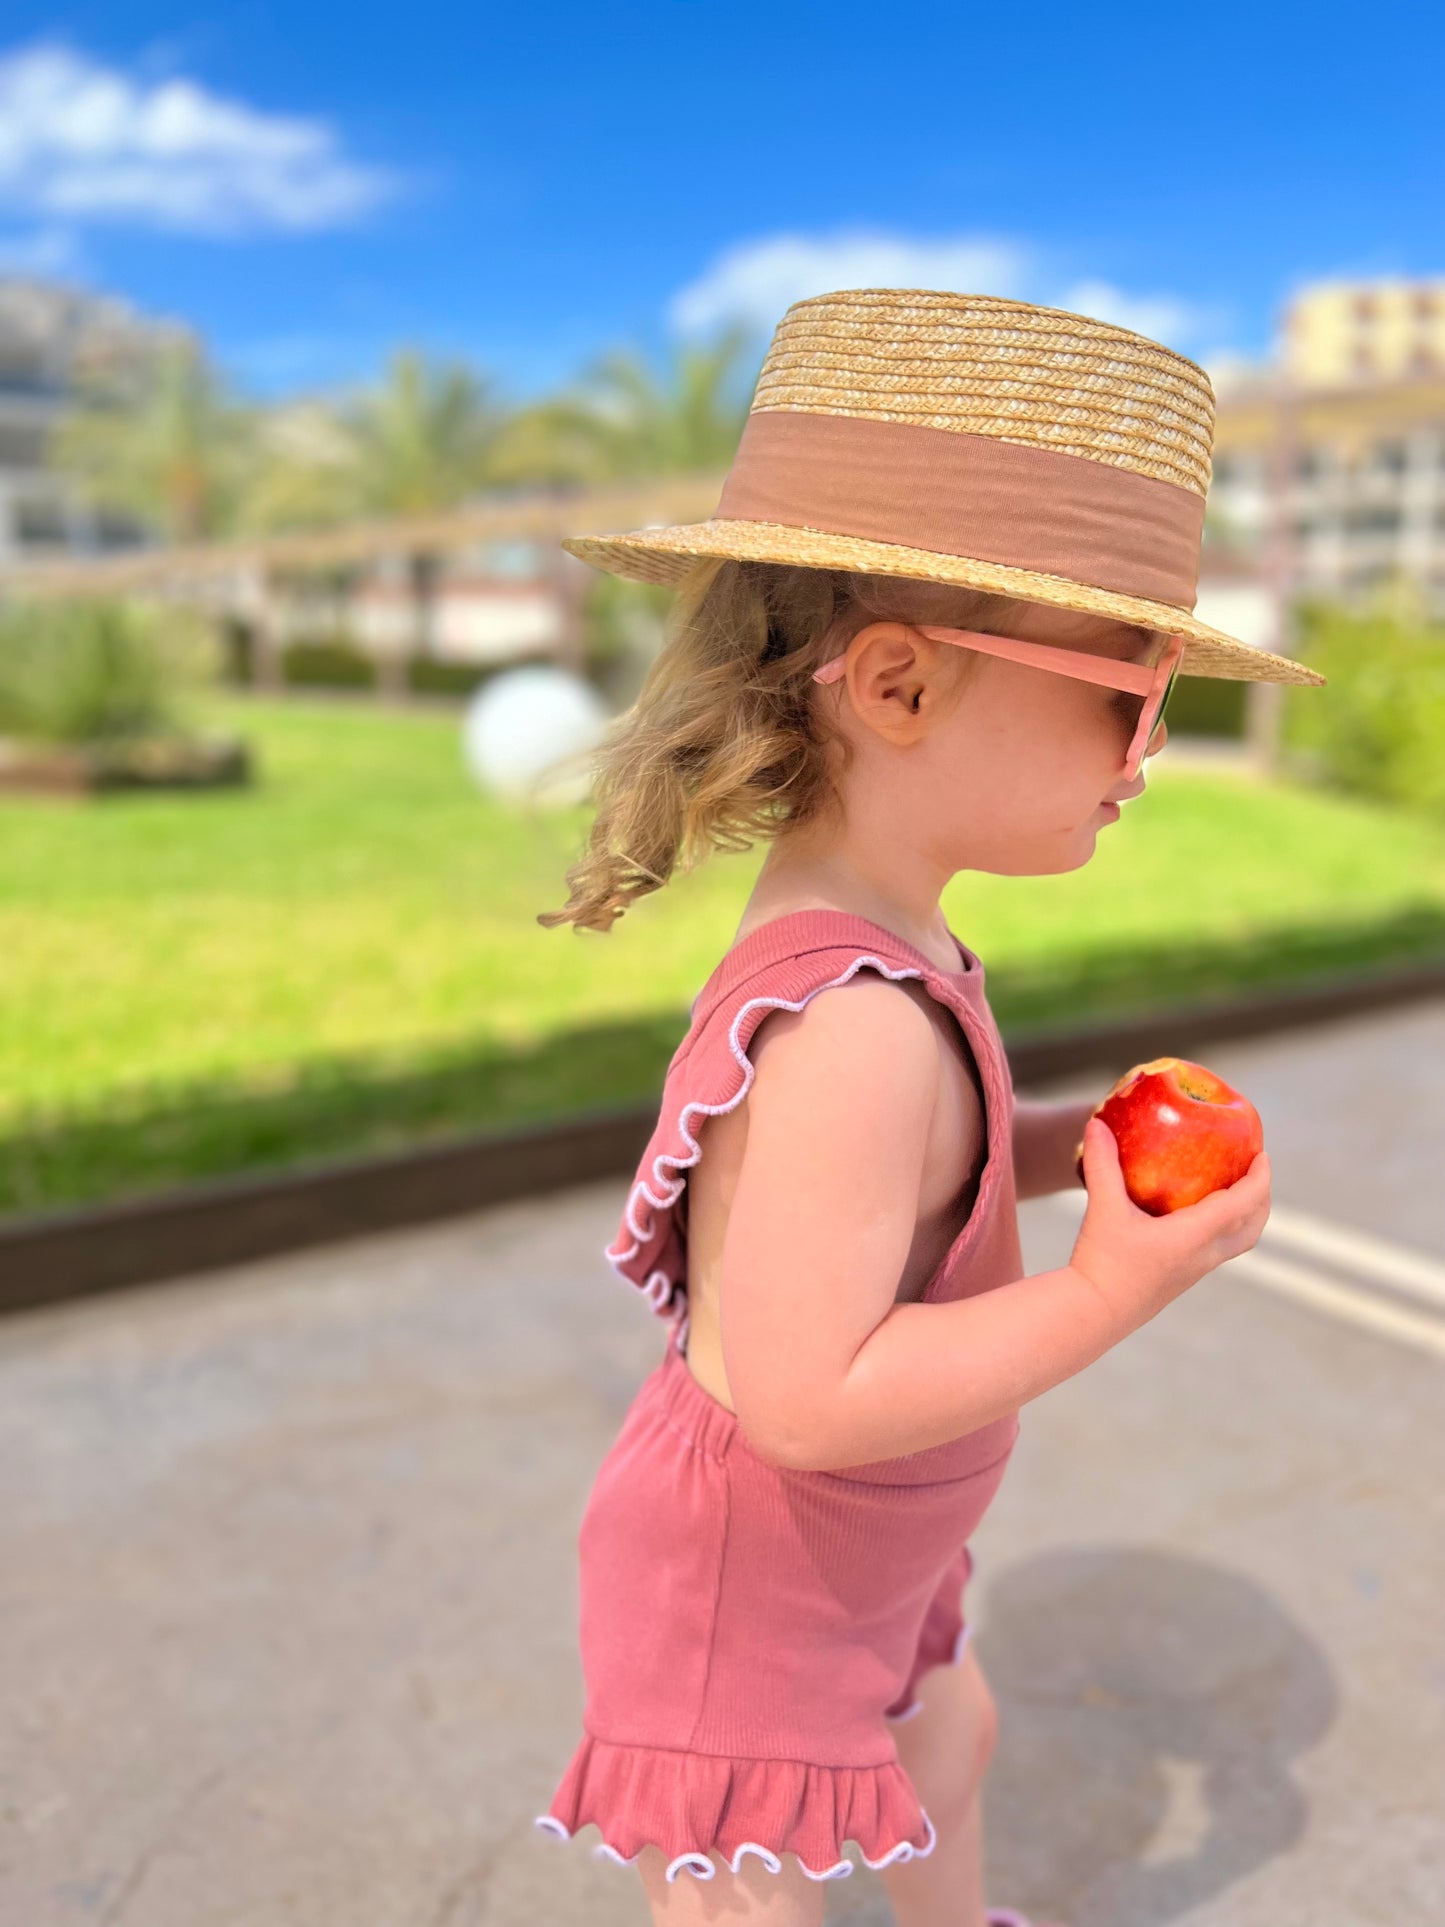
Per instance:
{"type": "Point", "coordinates": [664, 556]}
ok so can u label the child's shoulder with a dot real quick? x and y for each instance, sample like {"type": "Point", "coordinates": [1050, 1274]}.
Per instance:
{"type": "Point", "coordinates": [778, 966]}
{"type": "Point", "coordinates": [790, 957]}
{"type": "Point", "coordinates": [900, 1009]}
{"type": "Point", "coordinates": [886, 1004]}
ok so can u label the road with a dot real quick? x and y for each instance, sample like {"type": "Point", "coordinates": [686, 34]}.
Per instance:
{"type": "Point", "coordinates": [287, 1566]}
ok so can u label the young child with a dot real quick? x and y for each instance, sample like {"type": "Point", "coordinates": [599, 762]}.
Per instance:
{"type": "Point", "coordinates": [929, 629]}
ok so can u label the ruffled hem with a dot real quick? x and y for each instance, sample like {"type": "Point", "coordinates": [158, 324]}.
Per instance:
{"type": "Point", "coordinates": [694, 1804]}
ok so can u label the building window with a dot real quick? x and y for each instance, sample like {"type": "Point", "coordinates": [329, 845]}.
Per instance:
{"type": "Point", "coordinates": [1374, 519]}
{"type": "Point", "coordinates": [114, 530]}
{"type": "Point", "coordinates": [21, 374]}
{"type": "Point", "coordinates": [515, 558]}
{"type": "Point", "coordinates": [39, 521]}
{"type": "Point", "coordinates": [22, 445]}
{"type": "Point", "coordinates": [1309, 465]}
{"type": "Point", "coordinates": [1389, 458]}
{"type": "Point", "coordinates": [1239, 469]}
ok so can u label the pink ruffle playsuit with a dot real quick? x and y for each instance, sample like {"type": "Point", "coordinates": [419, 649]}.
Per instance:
{"type": "Point", "coordinates": [749, 1632]}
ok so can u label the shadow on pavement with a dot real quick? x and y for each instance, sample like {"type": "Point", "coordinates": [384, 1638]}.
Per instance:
{"type": "Point", "coordinates": [1153, 1706]}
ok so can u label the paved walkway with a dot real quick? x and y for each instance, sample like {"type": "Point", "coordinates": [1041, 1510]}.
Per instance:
{"type": "Point", "coordinates": [287, 1585]}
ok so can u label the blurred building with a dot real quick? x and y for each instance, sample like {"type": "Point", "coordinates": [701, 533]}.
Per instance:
{"type": "Point", "coordinates": [1342, 332]}
{"type": "Point", "coordinates": [53, 340]}
{"type": "Point", "coordinates": [1329, 465]}
{"type": "Point", "coordinates": [487, 602]}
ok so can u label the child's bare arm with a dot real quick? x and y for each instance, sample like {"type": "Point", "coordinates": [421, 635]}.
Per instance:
{"type": "Point", "coordinates": [825, 1369]}
{"type": "Point", "coordinates": [1046, 1137]}
{"type": "Point", "coordinates": [823, 1211]}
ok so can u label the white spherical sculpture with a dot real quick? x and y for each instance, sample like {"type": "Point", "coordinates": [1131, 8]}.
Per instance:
{"type": "Point", "coordinates": [526, 734]}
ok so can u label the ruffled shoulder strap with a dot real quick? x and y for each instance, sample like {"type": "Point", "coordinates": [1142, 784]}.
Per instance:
{"type": "Point", "coordinates": [779, 965]}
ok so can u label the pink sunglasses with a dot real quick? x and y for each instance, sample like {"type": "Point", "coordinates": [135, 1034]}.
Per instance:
{"type": "Point", "coordinates": [1151, 681]}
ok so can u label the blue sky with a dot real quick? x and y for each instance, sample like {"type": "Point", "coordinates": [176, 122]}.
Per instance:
{"type": "Point", "coordinates": [529, 186]}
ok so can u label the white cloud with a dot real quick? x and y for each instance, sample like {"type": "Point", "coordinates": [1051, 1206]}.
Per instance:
{"type": "Point", "coordinates": [1227, 369]}
{"type": "Point", "coordinates": [1163, 317]}
{"type": "Point", "coordinates": [757, 280]}
{"type": "Point", "coordinates": [84, 141]}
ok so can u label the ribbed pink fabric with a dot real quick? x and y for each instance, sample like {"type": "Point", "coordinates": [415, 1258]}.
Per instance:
{"type": "Point", "coordinates": [748, 1631]}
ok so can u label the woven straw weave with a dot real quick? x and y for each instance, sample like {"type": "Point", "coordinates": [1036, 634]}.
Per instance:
{"type": "Point", "coordinates": [981, 365]}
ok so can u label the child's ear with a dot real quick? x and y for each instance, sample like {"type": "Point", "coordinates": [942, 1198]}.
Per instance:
{"type": "Point", "coordinates": [897, 631]}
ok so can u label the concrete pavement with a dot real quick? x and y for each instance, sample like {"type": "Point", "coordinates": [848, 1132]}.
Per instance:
{"type": "Point", "coordinates": [287, 1586]}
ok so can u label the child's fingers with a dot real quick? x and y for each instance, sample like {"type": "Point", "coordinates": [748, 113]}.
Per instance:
{"type": "Point", "coordinates": [1233, 1208]}
{"type": "Point", "coordinates": [1248, 1190]}
{"type": "Point", "coordinates": [1101, 1158]}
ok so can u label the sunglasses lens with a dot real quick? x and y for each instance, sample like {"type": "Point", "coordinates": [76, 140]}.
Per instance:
{"type": "Point", "coordinates": [1133, 709]}
{"type": "Point", "coordinates": [1163, 700]}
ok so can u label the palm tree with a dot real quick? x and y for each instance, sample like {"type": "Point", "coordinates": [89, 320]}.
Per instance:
{"type": "Point", "coordinates": [625, 420]}
{"type": "Point", "coordinates": [305, 474]}
{"type": "Point", "coordinates": [420, 440]}
{"type": "Point", "coordinates": [172, 450]}
{"type": "Point", "coordinates": [417, 443]}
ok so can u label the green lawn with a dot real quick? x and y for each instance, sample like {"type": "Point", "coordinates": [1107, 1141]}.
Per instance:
{"type": "Point", "coordinates": [346, 956]}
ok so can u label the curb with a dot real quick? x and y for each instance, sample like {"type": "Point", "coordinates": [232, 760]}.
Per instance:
{"type": "Point", "coordinates": [46, 1258]}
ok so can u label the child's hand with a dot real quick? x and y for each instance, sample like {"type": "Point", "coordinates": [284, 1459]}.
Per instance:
{"type": "Point", "coordinates": [1139, 1263]}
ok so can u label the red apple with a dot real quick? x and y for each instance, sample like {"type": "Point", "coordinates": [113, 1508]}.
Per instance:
{"type": "Point", "coordinates": [1182, 1133]}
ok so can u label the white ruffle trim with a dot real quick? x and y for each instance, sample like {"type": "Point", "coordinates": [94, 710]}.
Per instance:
{"type": "Point", "coordinates": [703, 1866]}
{"type": "Point", "coordinates": [954, 1657]}
{"type": "Point", "coordinates": [657, 1287]}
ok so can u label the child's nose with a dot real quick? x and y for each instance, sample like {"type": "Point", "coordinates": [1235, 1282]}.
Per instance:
{"type": "Point", "coordinates": [1158, 739]}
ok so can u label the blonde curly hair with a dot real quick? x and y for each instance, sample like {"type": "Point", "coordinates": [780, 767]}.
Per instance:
{"type": "Point", "coordinates": [725, 743]}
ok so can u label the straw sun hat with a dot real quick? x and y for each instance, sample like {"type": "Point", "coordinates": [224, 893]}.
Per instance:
{"type": "Point", "coordinates": [971, 439]}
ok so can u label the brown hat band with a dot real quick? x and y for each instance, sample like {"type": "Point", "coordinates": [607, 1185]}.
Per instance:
{"type": "Point", "coordinates": [971, 495]}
